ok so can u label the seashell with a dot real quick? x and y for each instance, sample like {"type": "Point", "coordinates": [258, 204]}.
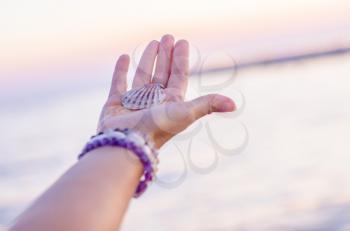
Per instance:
{"type": "Point", "coordinates": [147, 96]}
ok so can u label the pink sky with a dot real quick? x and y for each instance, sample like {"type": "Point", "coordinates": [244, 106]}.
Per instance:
{"type": "Point", "coordinates": [40, 36]}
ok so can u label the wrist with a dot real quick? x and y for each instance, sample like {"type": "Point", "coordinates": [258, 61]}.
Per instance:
{"type": "Point", "coordinates": [119, 157]}
{"type": "Point", "coordinates": [133, 141]}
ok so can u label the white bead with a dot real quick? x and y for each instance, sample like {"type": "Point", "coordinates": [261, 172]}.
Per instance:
{"type": "Point", "coordinates": [150, 155]}
{"type": "Point", "coordinates": [137, 139]}
{"type": "Point", "coordinates": [119, 135]}
{"type": "Point", "coordinates": [108, 131]}
{"type": "Point", "coordinates": [147, 150]}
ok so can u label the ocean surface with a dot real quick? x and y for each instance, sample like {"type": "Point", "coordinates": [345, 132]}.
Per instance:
{"type": "Point", "coordinates": [282, 162]}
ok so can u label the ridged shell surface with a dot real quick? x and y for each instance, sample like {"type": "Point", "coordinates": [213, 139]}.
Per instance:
{"type": "Point", "coordinates": [144, 97]}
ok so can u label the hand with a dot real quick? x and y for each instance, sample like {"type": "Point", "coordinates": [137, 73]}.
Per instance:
{"type": "Point", "coordinates": [161, 122]}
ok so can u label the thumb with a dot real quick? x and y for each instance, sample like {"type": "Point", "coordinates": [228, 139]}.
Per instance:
{"type": "Point", "coordinates": [207, 104]}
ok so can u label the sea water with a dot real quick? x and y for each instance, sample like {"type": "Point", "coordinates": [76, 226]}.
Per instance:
{"type": "Point", "coordinates": [281, 163]}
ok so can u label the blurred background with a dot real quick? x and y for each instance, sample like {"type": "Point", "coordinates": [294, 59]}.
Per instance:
{"type": "Point", "coordinates": [286, 63]}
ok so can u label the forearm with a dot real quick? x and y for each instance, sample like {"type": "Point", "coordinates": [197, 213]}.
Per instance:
{"type": "Point", "coordinates": [92, 195]}
{"type": "Point", "coordinates": [95, 192]}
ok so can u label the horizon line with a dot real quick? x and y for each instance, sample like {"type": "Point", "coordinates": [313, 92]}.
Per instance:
{"type": "Point", "coordinates": [277, 60]}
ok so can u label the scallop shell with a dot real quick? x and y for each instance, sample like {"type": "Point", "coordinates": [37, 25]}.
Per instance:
{"type": "Point", "coordinates": [147, 96]}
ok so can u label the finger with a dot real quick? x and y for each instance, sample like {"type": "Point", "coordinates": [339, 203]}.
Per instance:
{"type": "Point", "coordinates": [144, 70]}
{"type": "Point", "coordinates": [175, 117]}
{"type": "Point", "coordinates": [207, 104]}
{"type": "Point", "coordinates": [179, 67]}
{"type": "Point", "coordinates": [162, 71]}
{"type": "Point", "coordinates": [119, 85]}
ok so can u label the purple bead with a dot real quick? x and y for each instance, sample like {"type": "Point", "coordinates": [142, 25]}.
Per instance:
{"type": "Point", "coordinates": [122, 143]}
{"type": "Point", "coordinates": [139, 150]}
{"type": "Point", "coordinates": [97, 143]}
{"type": "Point", "coordinates": [141, 188]}
{"type": "Point", "coordinates": [114, 141]}
{"type": "Point", "coordinates": [148, 176]}
{"type": "Point", "coordinates": [148, 167]}
{"type": "Point", "coordinates": [130, 146]}
{"type": "Point", "coordinates": [89, 147]}
{"type": "Point", "coordinates": [125, 143]}
{"type": "Point", "coordinates": [104, 141]}
{"type": "Point", "coordinates": [143, 158]}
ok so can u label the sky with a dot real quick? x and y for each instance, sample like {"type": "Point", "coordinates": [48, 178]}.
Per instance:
{"type": "Point", "coordinates": [44, 40]}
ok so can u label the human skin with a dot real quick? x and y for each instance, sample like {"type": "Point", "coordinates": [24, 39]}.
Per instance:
{"type": "Point", "coordinates": [95, 192]}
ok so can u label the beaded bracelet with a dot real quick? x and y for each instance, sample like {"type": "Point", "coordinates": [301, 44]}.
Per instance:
{"type": "Point", "coordinates": [133, 141]}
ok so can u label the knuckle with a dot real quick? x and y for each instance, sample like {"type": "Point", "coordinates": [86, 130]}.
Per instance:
{"type": "Point", "coordinates": [209, 101]}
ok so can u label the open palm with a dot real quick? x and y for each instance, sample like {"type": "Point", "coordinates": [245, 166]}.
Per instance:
{"type": "Point", "coordinates": [160, 122]}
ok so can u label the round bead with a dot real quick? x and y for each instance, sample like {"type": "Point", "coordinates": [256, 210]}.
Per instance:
{"type": "Point", "coordinates": [137, 139]}
{"type": "Point", "coordinates": [119, 135]}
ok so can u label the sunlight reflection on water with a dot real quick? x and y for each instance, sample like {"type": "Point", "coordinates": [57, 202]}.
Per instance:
{"type": "Point", "coordinates": [292, 175]}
